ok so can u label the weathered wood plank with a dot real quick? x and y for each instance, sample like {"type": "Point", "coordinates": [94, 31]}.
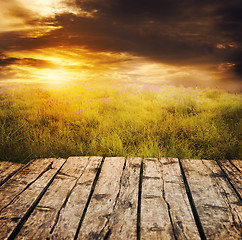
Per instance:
{"type": "Point", "coordinates": [104, 199]}
{"type": "Point", "coordinates": [237, 164]}
{"type": "Point", "coordinates": [175, 196]}
{"type": "Point", "coordinates": [46, 213]}
{"type": "Point", "coordinates": [165, 210]}
{"type": "Point", "coordinates": [71, 213]}
{"type": "Point", "coordinates": [22, 180]}
{"type": "Point", "coordinates": [7, 170]}
{"type": "Point", "coordinates": [4, 165]}
{"type": "Point", "coordinates": [13, 213]}
{"type": "Point", "coordinates": [217, 204]}
{"type": "Point", "coordinates": [233, 174]}
{"type": "Point", "coordinates": [122, 223]}
{"type": "Point", "coordinates": [155, 220]}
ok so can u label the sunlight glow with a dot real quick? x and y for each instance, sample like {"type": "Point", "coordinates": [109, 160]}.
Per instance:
{"type": "Point", "coordinates": [53, 76]}
{"type": "Point", "coordinates": [60, 66]}
{"type": "Point", "coordinates": [17, 15]}
{"type": "Point", "coordinates": [48, 8]}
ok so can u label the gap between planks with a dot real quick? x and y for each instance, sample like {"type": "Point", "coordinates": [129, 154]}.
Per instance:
{"type": "Point", "coordinates": [217, 204]}
{"type": "Point", "coordinates": [162, 186]}
{"type": "Point", "coordinates": [7, 170]}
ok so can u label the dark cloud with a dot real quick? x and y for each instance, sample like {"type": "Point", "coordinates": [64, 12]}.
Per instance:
{"type": "Point", "coordinates": [169, 31]}
{"type": "Point", "coordinates": [37, 63]}
{"type": "Point", "coordinates": [7, 61]}
{"type": "Point", "coordinates": [156, 40]}
{"type": "Point", "coordinates": [30, 62]}
{"type": "Point", "coordinates": [20, 40]}
{"type": "Point", "coordinates": [237, 60]}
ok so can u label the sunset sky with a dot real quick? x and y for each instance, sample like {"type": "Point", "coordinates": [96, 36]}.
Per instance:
{"type": "Point", "coordinates": [174, 42]}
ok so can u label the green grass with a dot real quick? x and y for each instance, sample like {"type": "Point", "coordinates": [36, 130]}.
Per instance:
{"type": "Point", "coordinates": [144, 121]}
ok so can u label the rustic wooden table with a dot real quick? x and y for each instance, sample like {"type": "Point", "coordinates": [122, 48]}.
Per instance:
{"type": "Point", "coordinates": [118, 198]}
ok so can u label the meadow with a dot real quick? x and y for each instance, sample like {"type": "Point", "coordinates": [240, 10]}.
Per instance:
{"type": "Point", "coordinates": [145, 121]}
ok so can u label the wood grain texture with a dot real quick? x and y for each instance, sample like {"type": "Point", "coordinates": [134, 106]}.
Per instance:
{"type": "Point", "coordinates": [7, 170]}
{"type": "Point", "coordinates": [122, 223]}
{"type": "Point", "coordinates": [233, 174]}
{"type": "Point", "coordinates": [11, 215]}
{"type": "Point", "coordinates": [174, 194]}
{"type": "Point", "coordinates": [4, 165]}
{"type": "Point", "coordinates": [104, 199]}
{"type": "Point", "coordinates": [71, 213]}
{"type": "Point", "coordinates": [155, 220]}
{"type": "Point", "coordinates": [217, 204]}
{"type": "Point", "coordinates": [237, 164]}
{"type": "Point", "coordinates": [46, 213]}
{"type": "Point", "coordinates": [22, 180]}
{"type": "Point", "coordinates": [46, 198]}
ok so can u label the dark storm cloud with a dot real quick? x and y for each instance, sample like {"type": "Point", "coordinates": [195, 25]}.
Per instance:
{"type": "Point", "coordinates": [20, 40]}
{"type": "Point", "coordinates": [156, 40]}
{"type": "Point", "coordinates": [169, 31]}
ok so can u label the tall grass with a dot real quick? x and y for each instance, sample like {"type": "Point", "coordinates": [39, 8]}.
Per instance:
{"type": "Point", "coordinates": [120, 121]}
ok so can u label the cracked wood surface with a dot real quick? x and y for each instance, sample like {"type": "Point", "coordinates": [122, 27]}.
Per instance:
{"type": "Point", "coordinates": [217, 204]}
{"type": "Point", "coordinates": [22, 180]}
{"type": "Point", "coordinates": [237, 164]}
{"type": "Point", "coordinates": [46, 198]}
{"type": "Point", "coordinates": [8, 169]}
{"type": "Point", "coordinates": [71, 213]}
{"type": "Point", "coordinates": [11, 215]}
{"type": "Point", "coordinates": [175, 195]}
{"type": "Point", "coordinates": [101, 211]}
{"type": "Point", "coordinates": [122, 223]}
{"type": "Point", "coordinates": [155, 220]}
{"type": "Point", "coordinates": [233, 174]}
{"type": "Point", "coordinates": [165, 210]}
{"type": "Point", "coordinates": [46, 213]}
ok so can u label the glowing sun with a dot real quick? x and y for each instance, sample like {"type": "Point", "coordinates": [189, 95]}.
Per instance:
{"type": "Point", "coordinates": [53, 76]}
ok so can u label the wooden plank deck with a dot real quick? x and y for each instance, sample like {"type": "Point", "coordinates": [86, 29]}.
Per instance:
{"type": "Point", "coordinates": [121, 198]}
{"type": "Point", "coordinates": [8, 169]}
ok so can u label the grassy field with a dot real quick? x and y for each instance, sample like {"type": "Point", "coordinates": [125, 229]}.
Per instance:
{"type": "Point", "coordinates": [121, 121]}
